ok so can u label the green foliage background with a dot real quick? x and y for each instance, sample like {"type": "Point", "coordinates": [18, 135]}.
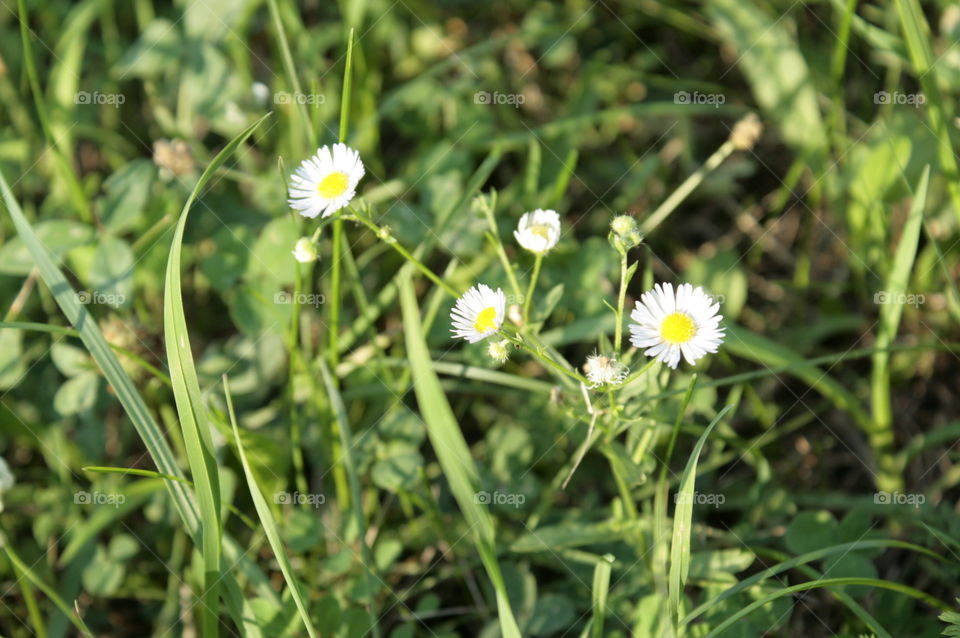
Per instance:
{"type": "Point", "coordinates": [821, 502]}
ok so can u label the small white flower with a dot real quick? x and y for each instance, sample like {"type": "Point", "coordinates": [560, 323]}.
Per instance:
{"type": "Point", "coordinates": [538, 231]}
{"type": "Point", "coordinates": [260, 92]}
{"type": "Point", "coordinates": [603, 370]}
{"type": "Point", "coordinates": [478, 313]}
{"type": "Point", "coordinates": [305, 250]}
{"type": "Point", "coordinates": [669, 324]}
{"type": "Point", "coordinates": [326, 182]}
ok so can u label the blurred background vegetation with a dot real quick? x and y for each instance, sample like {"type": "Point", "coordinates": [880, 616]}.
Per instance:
{"type": "Point", "coordinates": [592, 108]}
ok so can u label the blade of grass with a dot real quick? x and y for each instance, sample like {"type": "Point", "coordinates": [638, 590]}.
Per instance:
{"type": "Point", "coordinates": [333, 353]}
{"type": "Point", "coordinates": [70, 332]}
{"type": "Point", "coordinates": [77, 194]}
{"type": "Point", "coordinates": [290, 70]}
{"type": "Point", "coordinates": [601, 587]}
{"type": "Point", "coordinates": [133, 403]}
{"type": "Point", "coordinates": [803, 559]}
{"type": "Point", "coordinates": [356, 496]}
{"type": "Point", "coordinates": [682, 521]}
{"type": "Point", "coordinates": [823, 583]}
{"type": "Point", "coordinates": [916, 32]}
{"type": "Point", "coordinates": [452, 452]}
{"type": "Point", "coordinates": [266, 518]}
{"type": "Point", "coordinates": [881, 434]}
{"type": "Point", "coordinates": [194, 423]}
{"type": "Point", "coordinates": [659, 555]}
{"type": "Point", "coordinates": [51, 593]}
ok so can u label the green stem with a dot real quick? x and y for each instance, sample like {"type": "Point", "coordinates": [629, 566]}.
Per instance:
{"type": "Point", "coordinates": [545, 359]}
{"type": "Point", "coordinates": [501, 253]}
{"type": "Point", "coordinates": [639, 372]}
{"type": "Point", "coordinates": [621, 300]}
{"type": "Point", "coordinates": [530, 289]}
{"type": "Point", "coordinates": [333, 329]}
{"type": "Point", "coordinates": [397, 246]}
{"type": "Point", "coordinates": [677, 196]}
{"type": "Point", "coordinates": [293, 349]}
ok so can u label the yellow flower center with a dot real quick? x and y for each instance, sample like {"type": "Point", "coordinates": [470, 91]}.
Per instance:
{"type": "Point", "coordinates": [333, 185]}
{"type": "Point", "coordinates": [486, 320]}
{"type": "Point", "coordinates": [540, 230]}
{"type": "Point", "coordinates": [677, 328]}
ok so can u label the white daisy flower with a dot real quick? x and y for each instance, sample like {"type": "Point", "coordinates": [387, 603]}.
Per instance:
{"type": "Point", "coordinates": [305, 250]}
{"type": "Point", "coordinates": [326, 182]}
{"type": "Point", "coordinates": [669, 324]}
{"type": "Point", "coordinates": [538, 231]}
{"type": "Point", "coordinates": [479, 313]}
{"type": "Point", "coordinates": [603, 370]}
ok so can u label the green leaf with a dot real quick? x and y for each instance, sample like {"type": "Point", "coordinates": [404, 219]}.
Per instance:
{"type": "Point", "coordinates": [683, 520]}
{"type": "Point", "coordinates": [452, 452]}
{"type": "Point", "coordinates": [103, 576]}
{"type": "Point", "coordinates": [133, 403]}
{"type": "Point", "coordinates": [127, 194]}
{"type": "Point", "coordinates": [59, 236]}
{"type": "Point", "coordinates": [197, 438]}
{"type": "Point", "coordinates": [12, 364]}
{"type": "Point", "coordinates": [599, 591]}
{"type": "Point", "coordinates": [268, 522]}
{"type": "Point", "coordinates": [551, 614]}
{"type": "Point", "coordinates": [78, 394]}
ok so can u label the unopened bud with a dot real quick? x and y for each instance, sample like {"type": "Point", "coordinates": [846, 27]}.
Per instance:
{"type": "Point", "coordinates": [746, 132]}
{"type": "Point", "coordinates": [305, 251]}
{"type": "Point", "coordinates": [498, 351]}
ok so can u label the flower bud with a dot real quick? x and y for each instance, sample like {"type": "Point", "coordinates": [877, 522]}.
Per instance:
{"type": "Point", "coordinates": [498, 351]}
{"type": "Point", "coordinates": [305, 251]}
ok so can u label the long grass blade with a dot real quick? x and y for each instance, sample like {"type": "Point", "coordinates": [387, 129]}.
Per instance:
{"type": "Point", "coordinates": [267, 520]}
{"type": "Point", "coordinates": [881, 434]}
{"type": "Point", "coordinates": [824, 583]}
{"type": "Point", "coordinates": [682, 522]}
{"type": "Point", "coordinates": [190, 408]}
{"type": "Point", "coordinates": [452, 452]}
